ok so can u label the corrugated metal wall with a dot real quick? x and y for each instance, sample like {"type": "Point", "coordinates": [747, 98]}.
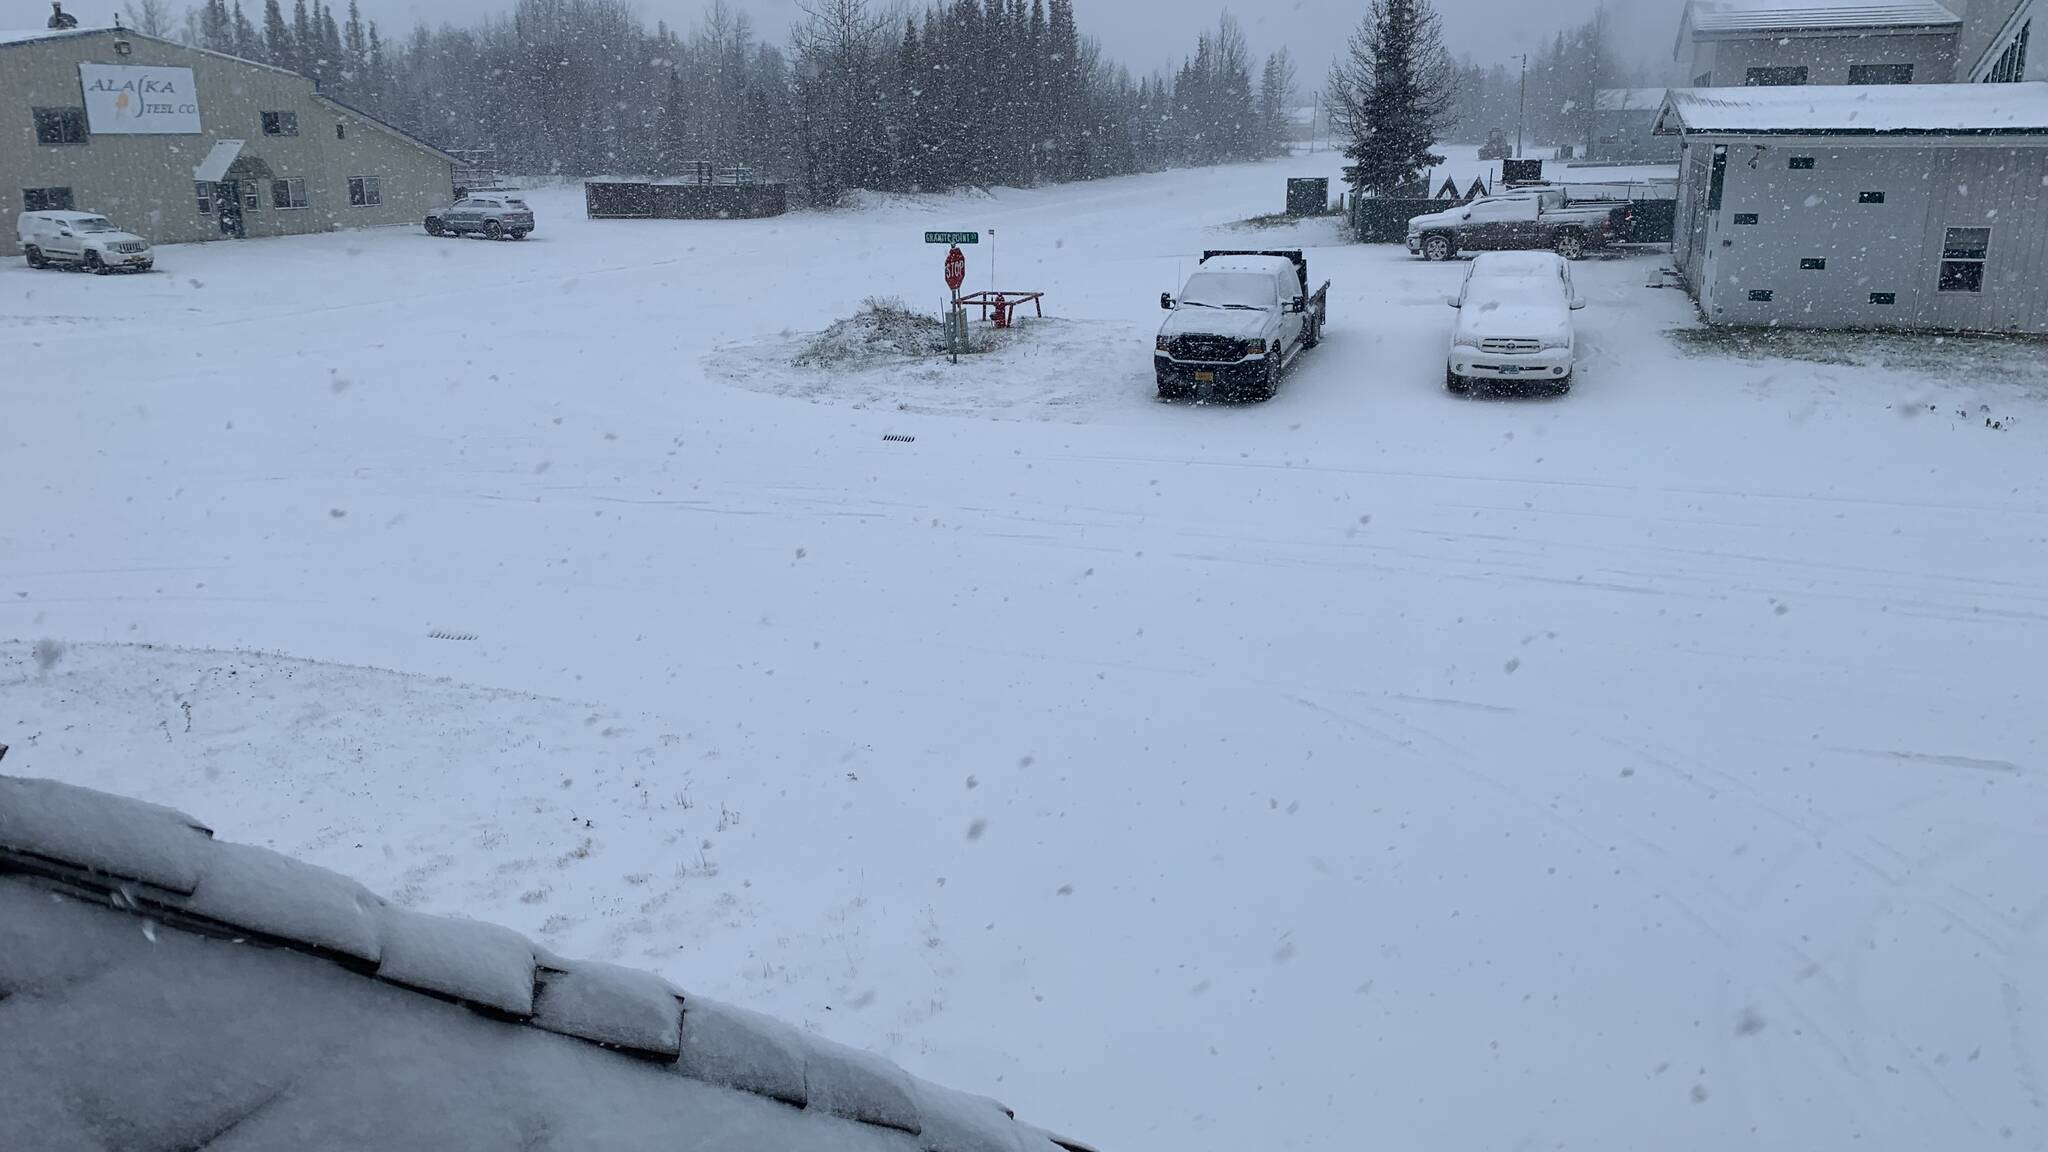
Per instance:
{"type": "Point", "coordinates": [1845, 235]}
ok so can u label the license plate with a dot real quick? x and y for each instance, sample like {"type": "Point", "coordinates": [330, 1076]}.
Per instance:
{"type": "Point", "coordinates": [1205, 377]}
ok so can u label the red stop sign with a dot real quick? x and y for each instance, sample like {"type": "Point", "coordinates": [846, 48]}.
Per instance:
{"type": "Point", "coordinates": [956, 268]}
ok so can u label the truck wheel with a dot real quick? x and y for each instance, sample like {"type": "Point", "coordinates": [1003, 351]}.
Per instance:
{"type": "Point", "coordinates": [1269, 382]}
{"type": "Point", "coordinates": [493, 230]}
{"type": "Point", "coordinates": [1436, 249]}
{"type": "Point", "coordinates": [1455, 384]}
{"type": "Point", "coordinates": [1562, 387]}
{"type": "Point", "coordinates": [1571, 245]}
{"type": "Point", "coordinates": [35, 257]}
{"type": "Point", "coordinates": [94, 264]}
{"type": "Point", "coordinates": [434, 227]}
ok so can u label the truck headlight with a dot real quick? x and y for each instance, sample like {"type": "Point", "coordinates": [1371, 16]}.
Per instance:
{"type": "Point", "coordinates": [1563, 341]}
{"type": "Point", "coordinates": [1255, 347]}
{"type": "Point", "coordinates": [1160, 344]}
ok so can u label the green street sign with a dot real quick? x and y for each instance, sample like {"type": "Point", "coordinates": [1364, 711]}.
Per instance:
{"type": "Point", "coordinates": [952, 237]}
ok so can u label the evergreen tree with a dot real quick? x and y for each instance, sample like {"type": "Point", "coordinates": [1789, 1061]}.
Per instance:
{"type": "Point", "coordinates": [1276, 102]}
{"type": "Point", "coordinates": [216, 33]}
{"type": "Point", "coordinates": [1391, 95]}
{"type": "Point", "coordinates": [305, 44]}
{"type": "Point", "coordinates": [355, 51]}
{"type": "Point", "coordinates": [278, 48]}
{"type": "Point", "coordinates": [243, 39]}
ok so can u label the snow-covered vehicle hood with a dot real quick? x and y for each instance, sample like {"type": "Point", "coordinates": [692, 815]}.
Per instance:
{"type": "Point", "coordinates": [1433, 220]}
{"type": "Point", "coordinates": [1237, 323]}
{"type": "Point", "coordinates": [1533, 320]}
{"type": "Point", "coordinates": [108, 239]}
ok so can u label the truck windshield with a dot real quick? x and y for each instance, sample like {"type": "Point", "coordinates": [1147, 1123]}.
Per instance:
{"type": "Point", "coordinates": [93, 224]}
{"type": "Point", "coordinates": [1229, 290]}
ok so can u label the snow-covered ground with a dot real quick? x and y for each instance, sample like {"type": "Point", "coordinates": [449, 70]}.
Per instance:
{"type": "Point", "coordinates": [1657, 766]}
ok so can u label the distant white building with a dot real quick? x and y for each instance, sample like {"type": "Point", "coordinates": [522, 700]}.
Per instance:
{"type": "Point", "coordinates": [1625, 126]}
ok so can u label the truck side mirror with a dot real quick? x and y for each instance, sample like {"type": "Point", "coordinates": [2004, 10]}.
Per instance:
{"type": "Point", "coordinates": [1453, 301]}
{"type": "Point", "coordinates": [1166, 301]}
{"type": "Point", "coordinates": [1297, 305]}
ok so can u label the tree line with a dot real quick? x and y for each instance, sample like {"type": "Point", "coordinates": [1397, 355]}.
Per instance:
{"type": "Point", "coordinates": [963, 92]}
{"type": "Point", "coordinates": [1564, 78]}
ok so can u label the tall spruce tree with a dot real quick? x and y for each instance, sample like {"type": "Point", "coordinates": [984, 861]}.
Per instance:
{"type": "Point", "coordinates": [1392, 93]}
{"type": "Point", "coordinates": [278, 48]}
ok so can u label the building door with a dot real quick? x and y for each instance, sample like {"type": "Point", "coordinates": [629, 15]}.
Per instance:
{"type": "Point", "coordinates": [228, 194]}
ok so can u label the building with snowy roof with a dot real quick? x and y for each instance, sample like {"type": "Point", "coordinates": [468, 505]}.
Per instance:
{"type": "Point", "coordinates": [181, 144]}
{"type": "Point", "coordinates": [1865, 207]}
{"type": "Point", "coordinates": [1778, 42]}
{"type": "Point", "coordinates": [160, 989]}
{"type": "Point", "coordinates": [1626, 126]}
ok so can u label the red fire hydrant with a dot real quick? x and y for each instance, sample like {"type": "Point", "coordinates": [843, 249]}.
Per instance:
{"type": "Point", "coordinates": [1002, 312]}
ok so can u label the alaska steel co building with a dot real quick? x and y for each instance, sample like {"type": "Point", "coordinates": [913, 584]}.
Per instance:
{"type": "Point", "coordinates": [181, 144]}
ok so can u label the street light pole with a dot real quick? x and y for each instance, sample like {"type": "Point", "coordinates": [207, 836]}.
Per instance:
{"type": "Point", "coordinates": [1522, 116]}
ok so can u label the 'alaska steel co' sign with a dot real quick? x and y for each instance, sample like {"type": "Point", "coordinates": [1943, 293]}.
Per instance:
{"type": "Point", "coordinates": [139, 101]}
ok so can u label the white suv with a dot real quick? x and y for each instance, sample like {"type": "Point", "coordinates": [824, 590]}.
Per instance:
{"type": "Point", "coordinates": [83, 240]}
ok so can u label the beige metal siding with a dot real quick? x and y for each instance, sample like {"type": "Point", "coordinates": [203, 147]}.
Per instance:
{"type": "Point", "coordinates": [1819, 213]}
{"type": "Point", "coordinates": [1828, 58]}
{"type": "Point", "coordinates": [144, 183]}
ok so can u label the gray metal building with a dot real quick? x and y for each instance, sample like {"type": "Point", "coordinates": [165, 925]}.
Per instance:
{"type": "Point", "coordinates": [1785, 42]}
{"type": "Point", "coordinates": [181, 144]}
{"type": "Point", "coordinates": [1922, 207]}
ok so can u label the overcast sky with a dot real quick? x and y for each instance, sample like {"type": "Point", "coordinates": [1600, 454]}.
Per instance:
{"type": "Point", "coordinates": [1145, 34]}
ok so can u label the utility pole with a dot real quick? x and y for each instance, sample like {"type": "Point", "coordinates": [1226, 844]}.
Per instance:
{"type": "Point", "coordinates": [1593, 104]}
{"type": "Point", "coordinates": [1522, 116]}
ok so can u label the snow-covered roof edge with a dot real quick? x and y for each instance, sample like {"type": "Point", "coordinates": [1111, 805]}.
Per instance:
{"type": "Point", "coordinates": [1630, 99]}
{"type": "Point", "coordinates": [1734, 19]}
{"type": "Point", "coordinates": [162, 865]}
{"type": "Point", "coordinates": [1961, 110]}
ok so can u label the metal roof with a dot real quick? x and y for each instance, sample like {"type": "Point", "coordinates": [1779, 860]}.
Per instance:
{"type": "Point", "coordinates": [1859, 110]}
{"type": "Point", "coordinates": [1744, 16]}
{"type": "Point", "coordinates": [132, 918]}
{"type": "Point", "coordinates": [1630, 99]}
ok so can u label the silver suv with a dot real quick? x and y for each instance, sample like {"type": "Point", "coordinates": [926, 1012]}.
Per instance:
{"type": "Point", "coordinates": [494, 217]}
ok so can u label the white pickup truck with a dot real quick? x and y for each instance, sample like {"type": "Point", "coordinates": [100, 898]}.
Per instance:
{"type": "Point", "coordinates": [1541, 218]}
{"type": "Point", "coordinates": [1239, 323]}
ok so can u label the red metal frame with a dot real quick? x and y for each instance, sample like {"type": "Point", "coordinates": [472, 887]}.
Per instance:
{"type": "Point", "coordinates": [1004, 303]}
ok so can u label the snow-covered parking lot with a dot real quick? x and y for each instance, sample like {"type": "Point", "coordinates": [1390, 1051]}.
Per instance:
{"type": "Point", "coordinates": [1657, 766]}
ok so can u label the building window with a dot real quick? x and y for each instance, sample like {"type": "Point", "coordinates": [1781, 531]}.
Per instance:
{"type": "Point", "coordinates": [1880, 73]}
{"type": "Point", "coordinates": [1963, 252]}
{"type": "Point", "coordinates": [1761, 295]}
{"type": "Point", "coordinates": [250, 200]}
{"type": "Point", "coordinates": [1775, 77]}
{"type": "Point", "coordinates": [340, 130]}
{"type": "Point", "coordinates": [1884, 298]}
{"type": "Point", "coordinates": [2012, 63]}
{"type": "Point", "coordinates": [365, 191]}
{"type": "Point", "coordinates": [202, 192]}
{"type": "Point", "coordinates": [289, 193]}
{"type": "Point", "coordinates": [46, 200]}
{"type": "Point", "coordinates": [1813, 264]}
{"type": "Point", "coordinates": [1800, 163]}
{"type": "Point", "coordinates": [1870, 197]}
{"type": "Point", "coordinates": [1719, 182]}
{"type": "Point", "coordinates": [280, 123]}
{"type": "Point", "coordinates": [61, 126]}
{"type": "Point", "coordinates": [1745, 218]}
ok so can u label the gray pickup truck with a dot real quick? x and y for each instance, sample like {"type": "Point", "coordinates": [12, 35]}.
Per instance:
{"type": "Point", "coordinates": [1239, 322]}
{"type": "Point", "coordinates": [1541, 218]}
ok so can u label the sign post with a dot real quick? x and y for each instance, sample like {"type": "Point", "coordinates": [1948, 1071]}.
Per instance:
{"type": "Point", "coordinates": [956, 275]}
